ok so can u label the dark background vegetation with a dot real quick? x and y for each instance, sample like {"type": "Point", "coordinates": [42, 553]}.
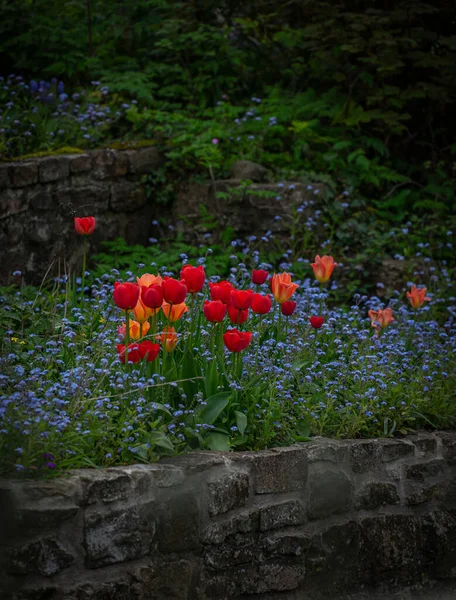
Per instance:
{"type": "Point", "coordinates": [360, 95]}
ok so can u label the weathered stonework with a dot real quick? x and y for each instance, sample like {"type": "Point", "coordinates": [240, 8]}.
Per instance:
{"type": "Point", "coordinates": [324, 519]}
{"type": "Point", "coordinates": [39, 198]}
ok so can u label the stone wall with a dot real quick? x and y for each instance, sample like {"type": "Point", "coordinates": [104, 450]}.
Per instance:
{"type": "Point", "coordinates": [318, 519]}
{"type": "Point", "coordinates": [40, 197]}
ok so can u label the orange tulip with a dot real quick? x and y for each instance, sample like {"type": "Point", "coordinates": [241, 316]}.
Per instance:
{"type": "Point", "coordinates": [174, 312]}
{"type": "Point", "coordinates": [142, 312]}
{"type": "Point", "coordinates": [168, 339]}
{"type": "Point", "coordinates": [135, 330]}
{"type": "Point", "coordinates": [147, 279]}
{"type": "Point", "coordinates": [417, 297]}
{"type": "Point", "coordinates": [323, 268]}
{"type": "Point", "coordinates": [381, 318]}
{"type": "Point", "coordinates": [282, 288]}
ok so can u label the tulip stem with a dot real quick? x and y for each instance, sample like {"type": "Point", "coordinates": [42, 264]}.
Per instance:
{"type": "Point", "coordinates": [259, 341]}
{"type": "Point", "coordinates": [279, 324]}
{"type": "Point", "coordinates": [84, 260]}
{"type": "Point", "coordinates": [127, 335]}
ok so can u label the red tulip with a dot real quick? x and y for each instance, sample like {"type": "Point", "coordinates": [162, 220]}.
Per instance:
{"type": "Point", "coordinates": [259, 276]}
{"type": "Point", "coordinates": [193, 278]}
{"type": "Point", "coordinates": [241, 299]}
{"type": "Point", "coordinates": [221, 291]}
{"type": "Point", "coordinates": [236, 341]}
{"type": "Point", "coordinates": [133, 353]}
{"type": "Point", "coordinates": [214, 311]}
{"type": "Point", "coordinates": [84, 225]}
{"type": "Point", "coordinates": [174, 291]}
{"type": "Point", "coordinates": [149, 350]}
{"type": "Point", "coordinates": [126, 295]}
{"type": "Point", "coordinates": [152, 296]}
{"type": "Point", "coordinates": [261, 305]}
{"type": "Point", "coordinates": [137, 352]}
{"type": "Point", "coordinates": [316, 322]}
{"type": "Point", "coordinates": [237, 316]}
{"type": "Point", "coordinates": [288, 308]}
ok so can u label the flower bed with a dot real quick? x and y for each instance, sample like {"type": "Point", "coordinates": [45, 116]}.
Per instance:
{"type": "Point", "coordinates": [158, 364]}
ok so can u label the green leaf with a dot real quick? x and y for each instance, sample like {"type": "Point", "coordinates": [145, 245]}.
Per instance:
{"type": "Point", "coordinates": [219, 442]}
{"type": "Point", "coordinates": [241, 421]}
{"type": "Point", "coordinates": [215, 405]}
{"type": "Point", "coordinates": [160, 439]}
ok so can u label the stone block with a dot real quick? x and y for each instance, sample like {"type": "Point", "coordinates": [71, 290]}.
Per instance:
{"type": "Point", "coordinates": [44, 515]}
{"type": "Point", "coordinates": [53, 168]}
{"type": "Point", "coordinates": [395, 449]}
{"type": "Point", "coordinates": [439, 534]}
{"type": "Point", "coordinates": [265, 578]}
{"type": "Point", "coordinates": [285, 544]}
{"type": "Point", "coordinates": [41, 199]}
{"type": "Point", "coordinates": [147, 478]}
{"type": "Point", "coordinates": [41, 233]}
{"type": "Point", "coordinates": [15, 233]}
{"type": "Point", "coordinates": [220, 557]}
{"type": "Point", "coordinates": [326, 450]}
{"type": "Point", "coordinates": [23, 173]}
{"type": "Point", "coordinates": [45, 557]}
{"type": "Point", "coordinates": [171, 580]}
{"type": "Point", "coordinates": [145, 160]}
{"type": "Point", "coordinates": [12, 202]}
{"type": "Point", "coordinates": [422, 471]}
{"type": "Point", "coordinates": [227, 491]}
{"type": "Point", "coordinates": [376, 494]}
{"type": "Point", "coordinates": [448, 447]}
{"type": "Point", "coordinates": [118, 535]}
{"type": "Point", "coordinates": [416, 493]}
{"type": "Point", "coordinates": [278, 470]}
{"type": "Point", "coordinates": [196, 462]}
{"type": "Point", "coordinates": [393, 541]}
{"type": "Point", "coordinates": [179, 524]}
{"type": "Point", "coordinates": [426, 445]}
{"type": "Point", "coordinates": [330, 492]}
{"type": "Point", "coordinates": [108, 163]}
{"type": "Point", "coordinates": [366, 455]}
{"type": "Point", "coordinates": [80, 163]}
{"type": "Point", "coordinates": [92, 198]}
{"type": "Point", "coordinates": [282, 514]}
{"type": "Point", "coordinates": [246, 169]}
{"type": "Point", "coordinates": [4, 176]}
{"type": "Point", "coordinates": [106, 486]}
{"type": "Point", "coordinates": [127, 197]}
{"type": "Point", "coordinates": [243, 521]}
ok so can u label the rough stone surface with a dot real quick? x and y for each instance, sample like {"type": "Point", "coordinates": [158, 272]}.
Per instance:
{"type": "Point", "coordinates": [117, 536]}
{"type": "Point", "coordinates": [227, 491]}
{"type": "Point", "coordinates": [279, 470]}
{"type": "Point", "coordinates": [284, 514]}
{"type": "Point", "coordinates": [330, 491]}
{"type": "Point", "coordinates": [377, 494]}
{"type": "Point", "coordinates": [423, 471]}
{"type": "Point", "coordinates": [325, 519]}
{"type": "Point", "coordinates": [245, 169]}
{"type": "Point", "coordinates": [22, 174]}
{"type": "Point", "coordinates": [53, 168]}
{"type": "Point", "coordinates": [46, 557]}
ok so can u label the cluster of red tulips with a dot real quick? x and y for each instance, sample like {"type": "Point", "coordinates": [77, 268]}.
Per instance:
{"type": "Point", "coordinates": [152, 294]}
